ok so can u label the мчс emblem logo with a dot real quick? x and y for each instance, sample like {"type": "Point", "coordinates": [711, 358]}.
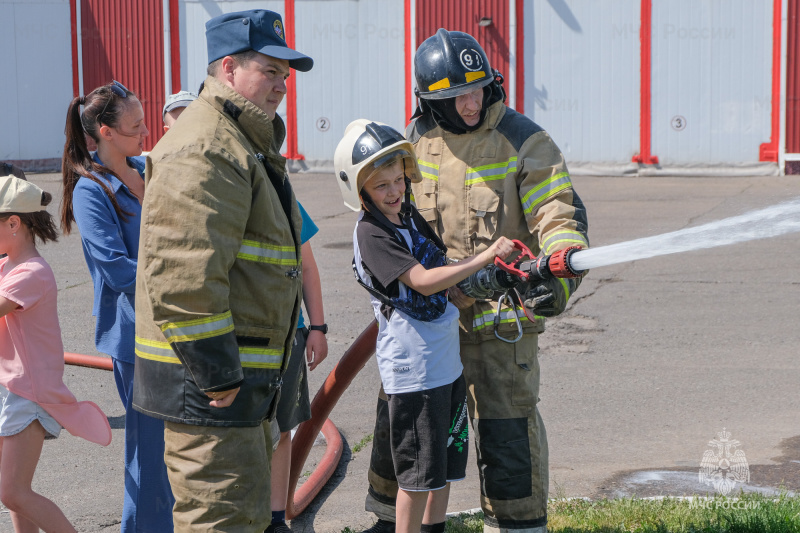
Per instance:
{"type": "Point", "coordinates": [724, 465]}
{"type": "Point", "coordinates": [278, 27]}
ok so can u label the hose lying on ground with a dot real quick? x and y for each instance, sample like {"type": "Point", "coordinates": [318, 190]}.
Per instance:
{"type": "Point", "coordinates": [336, 383]}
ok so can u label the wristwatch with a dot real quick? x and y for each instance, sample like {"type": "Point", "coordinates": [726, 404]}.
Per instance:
{"type": "Point", "coordinates": [323, 328]}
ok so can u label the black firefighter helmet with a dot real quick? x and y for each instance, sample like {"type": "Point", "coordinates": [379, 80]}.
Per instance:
{"type": "Point", "coordinates": [449, 64]}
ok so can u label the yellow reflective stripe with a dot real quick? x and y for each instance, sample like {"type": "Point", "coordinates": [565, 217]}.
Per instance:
{"type": "Point", "coordinates": [486, 318]}
{"type": "Point", "coordinates": [472, 76]}
{"type": "Point", "coordinates": [249, 357]}
{"type": "Point", "coordinates": [260, 357]}
{"type": "Point", "coordinates": [570, 242]}
{"type": "Point", "coordinates": [441, 84]}
{"type": "Point", "coordinates": [155, 351]}
{"type": "Point", "coordinates": [568, 237]}
{"type": "Point", "coordinates": [430, 170]}
{"type": "Point", "coordinates": [267, 253]}
{"type": "Point", "coordinates": [495, 171]}
{"type": "Point", "coordinates": [199, 328]}
{"type": "Point", "coordinates": [565, 285]}
{"type": "Point", "coordinates": [546, 189]}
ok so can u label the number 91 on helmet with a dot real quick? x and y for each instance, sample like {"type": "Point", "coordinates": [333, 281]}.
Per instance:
{"type": "Point", "coordinates": [366, 148]}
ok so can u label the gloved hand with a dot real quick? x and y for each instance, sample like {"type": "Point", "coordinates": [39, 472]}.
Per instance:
{"type": "Point", "coordinates": [549, 298]}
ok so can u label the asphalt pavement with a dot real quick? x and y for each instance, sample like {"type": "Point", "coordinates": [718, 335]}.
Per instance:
{"type": "Point", "coordinates": [652, 359]}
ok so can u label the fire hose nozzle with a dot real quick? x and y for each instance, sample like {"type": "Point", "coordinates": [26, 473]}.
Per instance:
{"type": "Point", "coordinates": [560, 265]}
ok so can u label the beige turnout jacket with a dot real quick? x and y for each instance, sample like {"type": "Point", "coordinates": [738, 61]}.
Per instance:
{"type": "Point", "coordinates": [507, 178]}
{"type": "Point", "coordinates": [218, 286]}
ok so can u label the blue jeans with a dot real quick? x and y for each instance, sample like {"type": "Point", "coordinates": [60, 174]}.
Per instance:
{"type": "Point", "coordinates": [148, 497]}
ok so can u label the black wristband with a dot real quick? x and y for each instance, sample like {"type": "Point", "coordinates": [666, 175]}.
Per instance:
{"type": "Point", "coordinates": [323, 328]}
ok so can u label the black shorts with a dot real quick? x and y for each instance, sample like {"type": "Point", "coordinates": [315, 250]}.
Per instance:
{"type": "Point", "coordinates": [293, 405]}
{"type": "Point", "coordinates": [429, 436]}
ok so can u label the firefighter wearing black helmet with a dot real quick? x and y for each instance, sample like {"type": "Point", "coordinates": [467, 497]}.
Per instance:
{"type": "Point", "coordinates": [489, 171]}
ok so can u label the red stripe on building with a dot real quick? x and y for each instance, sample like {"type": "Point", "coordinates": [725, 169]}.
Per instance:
{"type": "Point", "coordinates": [409, 48]}
{"type": "Point", "coordinates": [645, 38]}
{"type": "Point", "coordinates": [175, 45]}
{"type": "Point", "coordinates": [520, 85]}
{"type": "Point", "coordinates": [769, 151]}
{"type": "Point", "coordinates": [73, 22]}
{"type": "Point", "coordinates": [793, 78]}
{"type": "Point", "coordinates": [291, 88]}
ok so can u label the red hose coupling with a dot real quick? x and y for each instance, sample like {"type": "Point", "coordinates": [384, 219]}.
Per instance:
{"type": "Point", "coordinates": [559, 263]}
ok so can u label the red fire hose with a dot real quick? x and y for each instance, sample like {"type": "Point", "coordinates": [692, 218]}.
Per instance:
{"type": "Point", "coordinates": [91, 361]}
{"type": "Point", "coordinates": [336, 383]}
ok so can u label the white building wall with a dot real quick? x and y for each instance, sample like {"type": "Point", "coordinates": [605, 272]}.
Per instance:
{"type": "Point", "coordinates": [712, 71]}
{"type": "Point", "coordinates": [358, 51]}
{"type": "Point", "coordinates": [581, 73]}
{"type": "Point", "coordinates": [36, 86]}
{"type": "Point", "coordinates": [193, 17]}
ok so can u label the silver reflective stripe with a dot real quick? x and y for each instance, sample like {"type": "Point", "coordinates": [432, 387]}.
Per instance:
{"type": "Point", "coordinates": [487, 317]}
{"type": "Point", "coordinates": [267, 253]}
{"type": "Point", "coordinates": [545, 190]}
{"type": "Point", "coordinates": [428, 170]}
{"type": "Point", "coordinates": [155, 351]}
{"type": "Point", "coordinates": [249, 357]}
{"type": "Point", "coordinates": [201, 328]}
{"type": "Point", "coordinates": [566, 238]}
{"type": "Point", "coordinates": [260, 358]}
{"type": "Point", "coordinates": [495, 171]}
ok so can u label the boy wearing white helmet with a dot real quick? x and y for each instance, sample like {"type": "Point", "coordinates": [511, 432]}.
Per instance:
{"type": "Point", "coordinates": [401, 263]}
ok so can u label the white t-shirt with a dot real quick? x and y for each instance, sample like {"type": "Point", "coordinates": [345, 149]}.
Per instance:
{"type": "Point", "coordinates": [412, 355]}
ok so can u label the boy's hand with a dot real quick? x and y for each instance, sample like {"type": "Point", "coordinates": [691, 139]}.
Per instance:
{"type": "Point", "coordinates": [502, 248]}
{"type": "Point", "coordinates": [316, 348]}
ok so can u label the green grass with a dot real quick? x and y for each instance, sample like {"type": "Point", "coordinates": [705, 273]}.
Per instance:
{"type": "Point", "coordinates": [749, 513]}
{"type": "Point", "coordinates": [363, 442]}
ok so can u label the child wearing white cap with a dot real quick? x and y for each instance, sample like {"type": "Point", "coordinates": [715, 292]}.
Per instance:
{"type": "Point", "coordinates": [175, 105]}
{"type": "Point", "coordinates": [34, 402]}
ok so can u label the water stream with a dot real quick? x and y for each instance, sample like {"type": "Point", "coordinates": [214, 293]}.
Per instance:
{"type": "Point", "coordinates": [761, 224]}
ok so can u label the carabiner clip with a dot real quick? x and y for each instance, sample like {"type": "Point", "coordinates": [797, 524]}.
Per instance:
{"type": "Point", "coordinates": [506, 298]}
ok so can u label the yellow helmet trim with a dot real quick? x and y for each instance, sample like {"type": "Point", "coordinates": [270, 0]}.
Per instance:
{"type": "Point", "coordinates": [472, 76]}
{"type": "Point", "coordinates": [441, 84]}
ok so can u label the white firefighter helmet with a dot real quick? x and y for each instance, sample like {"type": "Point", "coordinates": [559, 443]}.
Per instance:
{"type": "Point", "coordinates": [366, 147]}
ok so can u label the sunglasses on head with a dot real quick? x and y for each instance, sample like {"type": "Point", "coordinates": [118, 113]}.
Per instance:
{"type": "Point", "coordinates": [118, 89]}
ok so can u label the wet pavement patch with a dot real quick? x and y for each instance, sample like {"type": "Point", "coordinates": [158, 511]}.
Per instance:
{"type": "Point", "coordinates": [342, 245]}
{"type": "Point", "coordinates": [681, 481]}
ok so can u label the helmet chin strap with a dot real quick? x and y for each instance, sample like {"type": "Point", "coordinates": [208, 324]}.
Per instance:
{"type": "Point", "coordinates": [405, 209]}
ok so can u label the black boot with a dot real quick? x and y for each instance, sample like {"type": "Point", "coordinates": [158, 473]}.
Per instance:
{"type": "Point", "coordinates": [281, 527]}
{"type": "Point", "coordinates": [381, 526]}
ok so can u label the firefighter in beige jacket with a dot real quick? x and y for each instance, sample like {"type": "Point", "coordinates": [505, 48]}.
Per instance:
{"type": "Point", "coordinates": [218, 285]}
{"type": "Point", "coordinates": [489, 172]}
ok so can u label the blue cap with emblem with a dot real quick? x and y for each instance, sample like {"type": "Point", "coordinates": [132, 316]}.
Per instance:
{"type": "Point", "coordinates": [258, 30]}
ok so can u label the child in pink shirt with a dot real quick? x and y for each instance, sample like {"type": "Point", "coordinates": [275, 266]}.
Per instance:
{"type": "Point", "coordinates": [34, 402]}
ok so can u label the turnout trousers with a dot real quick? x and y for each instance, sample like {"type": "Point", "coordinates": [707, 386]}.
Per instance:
{"type": "Point", "coordinates": [510, 439]}
{"type": "Point", "coordinates": [220, 477]}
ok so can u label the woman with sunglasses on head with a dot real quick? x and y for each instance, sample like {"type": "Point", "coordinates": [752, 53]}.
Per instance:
{"type": "Point", "coordinates": [103, 191]}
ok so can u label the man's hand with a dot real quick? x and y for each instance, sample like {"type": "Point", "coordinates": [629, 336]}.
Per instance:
{"type": "Point", "coordinates": [550, 297]}
{"type": "Point", "coordinates": [459, 299]}
{"type": "Point", "coordinates": [222, 398]}
{"type": "Point", "coordinates": [316, 348]}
